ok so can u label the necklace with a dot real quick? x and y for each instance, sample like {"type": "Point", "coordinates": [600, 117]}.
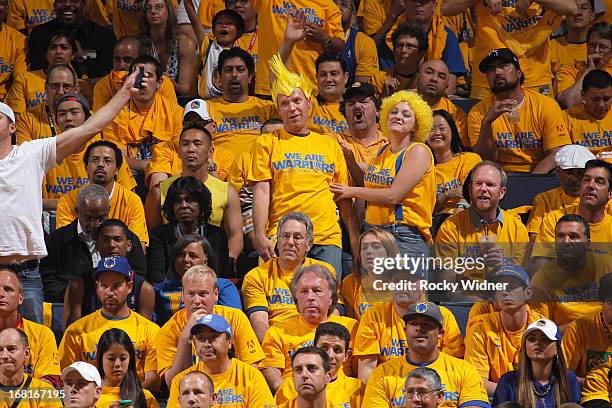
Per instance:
{"type": "Point", "coordinates": [546, 391]}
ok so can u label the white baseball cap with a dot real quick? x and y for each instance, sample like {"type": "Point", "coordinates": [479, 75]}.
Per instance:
{"type": "Point", "coordinates": [198, 106]}
{"type": "Point", "coordinates": [573, 157]}
{"type": "Point", "coordinates": [4, 108]}
{"type": "Point", "coordinates": [86, 370]}
{"type": "Point", "coordinates": [547, 327]}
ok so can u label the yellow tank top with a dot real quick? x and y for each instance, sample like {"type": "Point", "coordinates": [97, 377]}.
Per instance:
{"type": "Point", "coordinates": [416, 208]}
{"type": "Point", "coordinates": [218, 192]}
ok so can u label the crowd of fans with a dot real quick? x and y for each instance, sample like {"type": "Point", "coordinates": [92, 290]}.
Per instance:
{"type": "Point", "coordinates": [300, 203]}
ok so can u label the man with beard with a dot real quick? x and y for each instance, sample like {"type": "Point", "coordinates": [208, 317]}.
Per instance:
{"type": "Point", "coordinates": [114, 280]}
{"type": "Point", "coordinates": [493, 343]}
{"type": "Point", "coordinates": [432, 84]}
{"type": "Point", "coordinates": [381, 335]}
{"type": "Point", "coordinates": [565, 288]}
{"type": "Point", "coordinates": [517, 127]}
{"type": "Point", "coordinates": [461, 235]}
{"type": "Point", "coordinates": [311, 375]}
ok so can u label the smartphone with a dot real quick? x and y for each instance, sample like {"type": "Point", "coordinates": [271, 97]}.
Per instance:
{"type": "Point", "coordinates": [139, 78]}
{"type": "Point", "coordinates": [125, 403]}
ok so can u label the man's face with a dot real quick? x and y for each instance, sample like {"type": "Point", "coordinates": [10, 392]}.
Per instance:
{"type": "Point", "coordinates": [293, 242]}
{"type": "Point", "coordinates": [570, 180]}
{"type": "Point", "coordinates": [583, 19]}
{"type": "Point", "coordinates": [211, 345]}
{"type": "Point", "coordinates": [59, 51]}
{"type": "Point", "coordinates": [600, 48]}
{"type": "Point", "coordinates": [331, 81]}
{"type": "Point", "coordinates": [243, 7]}
{"type": "Point", "coordinates": [111, 241]}
{"type": "Point", "coordinates": [336, 349]}
{"type": "Point", "coordinates": [192, 118]}
{"type": "Point", "coordinates": [360, 112]}
{"type": "Point", "coordinates": [78, 392]}
{"type": "Point", "coordinates": [486, 191]}
{"type": "Point", "coordinates": [309, 375]}
{"type": "Point", "coordinates": [313, 296]}
{"type": "Point", "coordinates": [60, 82]}
{"type": "Point", "coordinates": [123, 54]}
{"type": "Point", "coordinates": [570, 241]}
{"type": "Point", "coordinates": [595, 190]}
{"type": "Point", "coordinates": [502, 76]}
{"type": "Point", "coordinates": [597, 101]}
{"type": "Point", "coordinates": [194, 149]}
{"type": "Point", "coordinates": [514, 296]}
{"type": "Point", "coordinates": [406, 51]}
{"type": "Point", "coordinates": [10, 296]}
{"type": "Point", "coordinates": [423, 334]}
{"type": "Point", "coordinates": [421, 11]}
{"type": "Point", "coordinates": [7, 127]}
{"type": "Point", "coordinates": [346, 10]}
{"type": "Point", "coordinates": [69, 114]}
{"type": "Point", "coordinates": [193, 254]}
{"type": "Point", "coordinates": [102, 165]}
{"type": "Point", "coordinates": [420, 395]}
{"type": "Point", "coordinates": [91, 215]}
{"type": "Point", "coordinates": [293, 110]}
{"type": "Point", "coordinates": [69, 12]}
{"type": "Point", "coordinates": [432, 79]}
{"type": "Point", "coordinates": [235, 77]}
{"type": "Point", "coordinates": [13, 354]}
{"type": "Point", "coordinates": [194, 392]}
{"type": "Point", "coordinates": [200, 295]}
{"type": "Point", "coordinates": [113, 289]}
{"type": "Point", "coordinates": [150, 84]}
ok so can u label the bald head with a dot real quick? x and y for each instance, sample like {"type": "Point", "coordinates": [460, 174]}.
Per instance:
{"type": "Point", "coordinates": [126, 50]}
{"type": "Point", "coordinates": [196, 390]}
{"type": "Point", "coordinates": [14, 352]}
{"type": "Point", "coordinates": [432, 80]}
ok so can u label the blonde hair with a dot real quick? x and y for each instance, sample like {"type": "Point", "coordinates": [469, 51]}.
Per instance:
{"type": "Point", "coordinates": [197, 273]}
{"type": "Point", "coordinates": [285, 81]}
{"type": "Point", "coordinates": [422, 114]}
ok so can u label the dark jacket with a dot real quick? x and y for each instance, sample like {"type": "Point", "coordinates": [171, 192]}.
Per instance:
{"type": "Point", "coordinates": [69, 257]}
{"type": "Point", "coordinates": [90, 35]}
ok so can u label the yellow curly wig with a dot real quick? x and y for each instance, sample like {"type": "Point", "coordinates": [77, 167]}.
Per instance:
{"type": "Point", "coordinates": [286, 81]}
{"type": "Point", "coordinates": [422, 113]}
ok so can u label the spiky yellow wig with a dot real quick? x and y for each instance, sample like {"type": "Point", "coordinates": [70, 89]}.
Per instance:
{"type": "Point", "coordinates": [422, 114]}
{"type": "Point", "coordinates": [285, 81]}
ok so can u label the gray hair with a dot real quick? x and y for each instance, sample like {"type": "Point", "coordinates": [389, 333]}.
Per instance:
{"type": "Point", "coordinates": [322, 272]}
{"type": "Point", "coordinates": [502, 173]}
{"type": "Point", "coordinates": [299, 217]}
{"type": "Point", "coordinates": [92, 192]}
{"type": "Point", "coordinates": [429, 375]}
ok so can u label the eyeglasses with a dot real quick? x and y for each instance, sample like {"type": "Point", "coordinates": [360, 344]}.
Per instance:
{"type": "Point", "coordinates": [419, 394]}
{"type": "Point", "coordinates": [107, 161]}
{"type": "Point", "coordinates": [54, 86]}
{"type": "Point", "coordinates": [297, 238]}
{"type": "Point", "coordinates": [157, 7]}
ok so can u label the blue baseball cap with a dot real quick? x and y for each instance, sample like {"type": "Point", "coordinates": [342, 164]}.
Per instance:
{"type": "Point", "coordinates": [116, 264]}
{"type": "Point", "coordinates": [214, 322]}
{"type": "Point", "coordinates": [514, 271]}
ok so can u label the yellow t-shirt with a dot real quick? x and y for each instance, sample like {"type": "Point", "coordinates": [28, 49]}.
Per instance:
{"type": "Point", "coordinates": [48, 396]}
{"type": "Point", "coordinates": [237, 176]}
{"type": "Point", "coordinates": [207, 11]}
{"type": "Point", "coordinates": [545, 202]}
{"type": "Point", "coordinates": [126, 16]}
{"type": "Point", "coordinates": [458, 237]}
{"type": "Point", "coordinates": [596, 385]}
{"type": "Point", "coordinates": [358, 296]}
{"type": "Point", "coordinates": [586, 344]}
{"type": "Point", "coordinates": [245, 342]}
{"type": "Point", "coordinates": [249, 41]}
{"type": "Point", "coordinates": [111, 394]}
{"type": "Point", "coordinates": [492, 349]}
{"type": "Point", "coordinates": [416, 207]}
{"type": "Point", "coordinates": [463, 385]}
{"type": "Point", "coordinates": [343, 392]}
{"type": "Point", "coordinates": [108, 85]}
{"type": "Point", "coordinates": [266, 288]}
{"type": "Point", "coordinates": [272, 20]}
{"type": "Point", "coordinates": [458, 115]}
{"type": "Point", "coordinates": [240, 386]}
{"type": "Point", "coordinates": [521, 146]}
{"type": "Point", "coordinates": [27, 90]}
{"type": "Point", "coordinates": [35, 123]}
{"type": "Point", "coordinates": [569, 74]}
{"type": "Point", "coordinates": [124, 205]}
{"type": "Point", "coordinates": [300, 170]}
{"type": "Point", "coordinates": [363, 154]}
{"type": "Point", "coordinates": [12, 56]}
{"type": "Point", "coordinates": [477, 311]}
{"type": "Point", "coordinates": [293, 404]}
{"type": "Point", "coordinates": [365, 55]}
{"type": "Point", "coordinates": [601, 233]}
{"type": "Point", "coordinates": [283, 339]}
{"type": "Point", "coordinates": [453, 173]}
{"type": "Point", "coordinates": [382, 333]}
{"type": "Point", "coordinates": [587, 131]}
{"type": "Point", "coordinates": [81, 338]}
{"type": "Point", "coordinates": [326, 118]}
{"type": "Point", "coordinates": [44, 358]}
{"type": "Point", "coordinates": [29, 13]}
{"type": "Point", "coordinates": [563, 53]}
{"type": "Point", "coordinates": [563, 296]}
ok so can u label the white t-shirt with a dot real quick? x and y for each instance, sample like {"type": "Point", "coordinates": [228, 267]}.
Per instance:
{"type": "Point", "coordinates": [21, 176]}
{"type": "Point", "coordinates": [183, 18]}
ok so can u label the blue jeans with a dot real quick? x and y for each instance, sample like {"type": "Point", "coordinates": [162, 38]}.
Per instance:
{"type": "Point", "coordinates": [32, 306]}
{"type": "Point", "coordinates": [330, 254]}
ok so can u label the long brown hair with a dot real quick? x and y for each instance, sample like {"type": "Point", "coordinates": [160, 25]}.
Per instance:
{"type": "Point", "coordinates": [524, 388]}
{"type": "Point", "coordinates": [171, 33]}
{"type": "Point", "coordinates": [385, 237]}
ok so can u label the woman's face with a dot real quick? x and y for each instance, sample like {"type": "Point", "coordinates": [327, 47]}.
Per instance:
{"type": "Point", "coordinates": [401, 119]}
{"type": "Point", "coordinates": [59, 51]}
{"type": "Point", "coordinates": [539, 347]}
{"type": "Point", "coordinates": [156, 11]}
{"type": "Point", "coordinates": [115, 362]}
{"type": "Point", "coordinates": [186, 208]}
{"type": "Point", "coordinates": [192, 255]}
{"type": "Point", "coordinates": [440, 136]}
{"type": "Point", "coordinates": [371, 248]}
